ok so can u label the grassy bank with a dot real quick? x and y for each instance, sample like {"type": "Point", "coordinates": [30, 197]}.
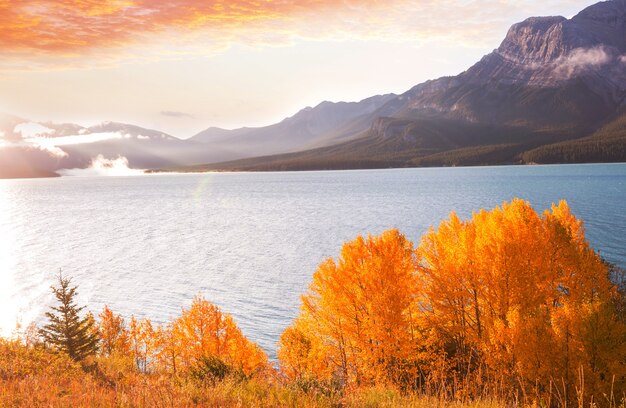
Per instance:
{"type": "Point", "coordinates": [32, 376]}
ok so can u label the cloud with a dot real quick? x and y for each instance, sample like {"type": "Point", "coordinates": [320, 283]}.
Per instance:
{"type": "Point", "coordinates": [35, 136]}
{"type": "Point", "coordinates": [581, 60]}
{"type": "Point", "coordinates": [101, 166]}
{"type": "Point", "coordinates": [174, 114]}
{"type": "Point", "coordinates": [73, 33]}
{"type": "Point", "coordinates": [51, 150]}
{"type": "Point", "coordinates": [68, 26]}
{"type": "Point", "coordinates": [77, 139]}
{"type": "Point", "coordinates": [31, 129]}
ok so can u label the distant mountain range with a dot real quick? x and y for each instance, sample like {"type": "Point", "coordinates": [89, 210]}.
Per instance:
{"type": "Point", "coordinates": [39, 149]}
{"type": "Point", "coordinates": [326, 124]}
{"type": "Point", "coordinates": [553, 92]}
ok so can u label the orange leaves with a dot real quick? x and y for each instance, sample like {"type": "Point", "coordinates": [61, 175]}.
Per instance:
{"type": "Point", "coordinates": [512, 284]}
{"type": "Point", "coordinates": [142, 337]}
{"type": "Point", "coordinates": [506, 302]}
{"type": "Point", "coordinates": [112, 332]}
{"type": "Point", "coordinates": [507, 296]}
{"type": "Point", "coordinates": [561, 214]}
{"type": "Point", "coordinates": [202, 331]}
{"type": "Point", "coordinates": [355, 322]}
{"type": "Point", "coordinates": [294, 353]}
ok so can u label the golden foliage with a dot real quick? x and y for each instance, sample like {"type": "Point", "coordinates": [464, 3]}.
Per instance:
{"type": "Point", "coordinates": [509, 300]}
{"type": "Point", "coordinates": [357, 325]}
{"type": "Point", "coordinates": [204, 331]}
{"type": "Point", "coordinates": [114, 338]}
{"type": "Point", "coordinates": [509, 285]}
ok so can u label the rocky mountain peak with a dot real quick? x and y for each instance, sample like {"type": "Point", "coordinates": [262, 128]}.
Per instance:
{"type": "Point", "coordinates": [545, 51]}
{"type": "Point", "coordinates": [542, 40]}
{"type": "Point", "coordinates": [536, 39]}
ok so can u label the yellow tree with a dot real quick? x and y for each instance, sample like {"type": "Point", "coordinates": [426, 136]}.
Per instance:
{"type": "Point", "coordinates": [509, 284]}
{"type": "Point", "coordinates": [142, 342]}
{"type": "Point", "coordinates": [452, 287]}
{"type": "Point", "coordinates": [591, 333]}
{"type": "Point", "coordinates": [356, 324]}
{"type": "Point", "coordinates": [168, 347]}
{"type": "Point", "coordinates": [302, 354]}
{"type": "Point", "coordinates": [203, 331]}
{"type": "Point", "coordinates": [113, 333]}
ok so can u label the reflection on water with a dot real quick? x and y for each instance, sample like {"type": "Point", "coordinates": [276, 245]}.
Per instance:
{"type": "Point", "coordinates": [250, 242]}
{"type": "Point", "coordinates": [8, 264]}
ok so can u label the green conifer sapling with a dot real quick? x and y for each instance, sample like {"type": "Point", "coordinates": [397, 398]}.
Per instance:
{"type": "Point", "coordinates": [66, 330]}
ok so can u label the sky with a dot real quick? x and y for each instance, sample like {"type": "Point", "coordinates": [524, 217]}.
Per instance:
{"type": "Point", "coordinates": [181, 66]}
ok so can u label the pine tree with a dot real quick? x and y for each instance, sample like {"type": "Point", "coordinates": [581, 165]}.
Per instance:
{"type": "Point", "coordinates": [66, 330]}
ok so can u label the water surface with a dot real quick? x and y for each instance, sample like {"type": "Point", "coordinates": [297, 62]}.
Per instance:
{"type": "Point", "coordinates": [251, 241]}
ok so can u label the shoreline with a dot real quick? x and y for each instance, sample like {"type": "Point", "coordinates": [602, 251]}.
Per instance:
{"type": "Point", "coordinates": [182, 171]}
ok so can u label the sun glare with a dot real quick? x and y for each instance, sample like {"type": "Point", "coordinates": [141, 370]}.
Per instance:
{"type": "Point", "coordinates": [8, 303]}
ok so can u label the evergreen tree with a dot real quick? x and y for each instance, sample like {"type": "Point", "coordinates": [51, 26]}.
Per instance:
{"type": "Point", "coordinates": [66, 330]}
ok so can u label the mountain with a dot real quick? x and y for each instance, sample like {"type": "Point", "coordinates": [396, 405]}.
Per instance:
{"type": "Point", "coordinates": [551, 82]}
{"type": "Point", "coordinates": [37, 149]}
{"type": "Point", "coordinates": [554, 91]}
{"type": "Point", "coordinates": [144, 148]}
{"type": "Point", "coordinates": [311, 127]}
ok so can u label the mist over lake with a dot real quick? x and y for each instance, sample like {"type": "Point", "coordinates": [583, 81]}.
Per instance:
{"type": "Point", "coordinates": [250, 242]}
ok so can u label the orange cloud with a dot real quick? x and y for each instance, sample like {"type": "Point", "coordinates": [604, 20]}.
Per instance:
{"type": "Point", "coordinates": [74, 33]}
{"type": "Point", "coordinates": [69, 26]}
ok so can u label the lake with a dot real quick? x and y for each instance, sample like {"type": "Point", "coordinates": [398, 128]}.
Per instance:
{"type": "Point", "coordinates": [250, 242]}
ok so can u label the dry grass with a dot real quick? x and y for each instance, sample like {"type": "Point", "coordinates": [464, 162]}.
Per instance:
{"type": "Point", "coordinates": [34, 377]}
{"type": "Point", "coordinates": [31, 377]}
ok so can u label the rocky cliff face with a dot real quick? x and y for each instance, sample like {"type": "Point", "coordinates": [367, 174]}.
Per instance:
{"type": "Point", "coordinates": [546, 51]}
{"type": "Point", "coordinates": [547, 72]}
{"type": "Point", "coordinates": [551, 78]}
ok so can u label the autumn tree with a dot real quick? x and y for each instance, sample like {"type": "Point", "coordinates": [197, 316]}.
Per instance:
{"type": "Point", "coordinates": [66, 330]}
{"type": "Point", "coordinates": [356, 324]}
{"type": "Point", "coordinates": [203, 332]}
{"type": "Point", "coordinates": [168, 348]}
{"type": "Point", "coordinates": [114, 338]}
{"type": "Point", "coordinates": [142, 341]}
{"type": "Point", "coordinates": [508, 284]}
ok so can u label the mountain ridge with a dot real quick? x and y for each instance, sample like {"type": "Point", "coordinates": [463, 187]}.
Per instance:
{"type": "Point", "coordinates": [551, 80]}
{"type": "Point", "coordinates": [308, 127]}
{"type": "Point", "coordinates": [552, 88]}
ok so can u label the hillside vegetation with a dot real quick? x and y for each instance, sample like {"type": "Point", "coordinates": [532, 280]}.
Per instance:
{"type": "Point", "coordinates": [607, 144]}
{"type": "Point", "coordinates": [508, 308]}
